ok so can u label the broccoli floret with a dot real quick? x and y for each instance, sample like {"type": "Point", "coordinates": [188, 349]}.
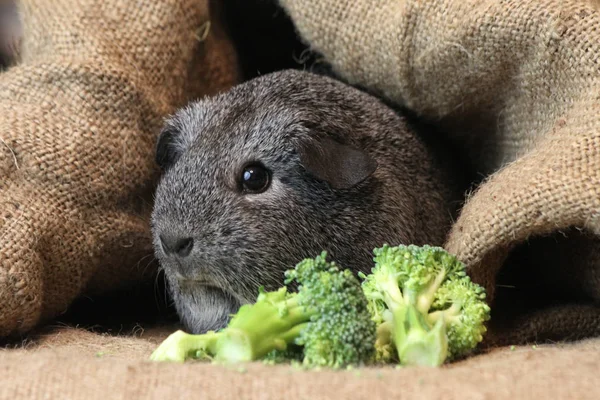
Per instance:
{"type": "Point", "coordinates": [425, 305]}
{"type": "Point", "coordinates": [292, 354]}
{"type": "Point", "coordinates": [328, 317]}
{"type": "Point", "coordinates": [340, 331]}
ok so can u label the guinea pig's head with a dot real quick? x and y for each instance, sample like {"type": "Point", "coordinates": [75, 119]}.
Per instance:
{"type": "Point", "coordinates": [255, 180]}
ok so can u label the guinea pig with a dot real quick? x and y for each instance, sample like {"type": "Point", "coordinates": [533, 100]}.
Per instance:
{"type": "Point", "coordinates": [281, 168]}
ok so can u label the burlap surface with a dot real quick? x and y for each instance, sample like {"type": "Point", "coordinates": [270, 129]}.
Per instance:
{"type": "Point", "coordinates": [73, 364]}
{"type": "Point", "coordinates": [78, 121]}
{"type": "Point", "coordinates": [517, 85]}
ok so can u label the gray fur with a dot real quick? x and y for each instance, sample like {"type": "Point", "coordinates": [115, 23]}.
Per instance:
{"type": "Point", "coordinates": [242, 241]}
{"type": "Point", "coordinates": [11, 32]}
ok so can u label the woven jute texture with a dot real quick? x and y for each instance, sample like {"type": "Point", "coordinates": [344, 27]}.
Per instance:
{"type": "Point", "coordinates": [517, 85]}
{"type": "Point", "coordinates": [71, 364]}
{"type": "Point", "coordinates": [79, 117]}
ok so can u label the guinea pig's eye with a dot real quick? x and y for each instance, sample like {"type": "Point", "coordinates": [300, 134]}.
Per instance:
{"type": "Point", "coordinates": [255, 178]}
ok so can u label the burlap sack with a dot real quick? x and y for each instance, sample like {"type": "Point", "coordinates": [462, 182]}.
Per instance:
{"type": "Point", "coordinates": [78, 121]}
{"type": "Point", "coordinates": [516, 84]}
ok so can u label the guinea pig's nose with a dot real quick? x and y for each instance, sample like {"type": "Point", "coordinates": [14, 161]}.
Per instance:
{"type": "Point", "coordinates": [177, 245]}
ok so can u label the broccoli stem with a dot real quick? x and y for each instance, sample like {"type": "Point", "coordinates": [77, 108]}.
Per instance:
{"type": "Point", "coordinates": [181, 346]}
{"type": "Point", "coordinates": [384, 350]}
{"type": "Point", "coordinates": [425, 298]}
{"type": "Point", "coordinates": [272, 323]}
{"type": "Point", "coordinates": [238, 345]}
{"type": "Point", "coordinates": [252, 335]}
{"type": "Point", "coordinates": [450, 315]}
{"type": "Point", "coordinates": [417, 343]}
{"type": "Point", "coordinates": [384, 333]}
{"type": "Point", "coordinates": [392, 296]}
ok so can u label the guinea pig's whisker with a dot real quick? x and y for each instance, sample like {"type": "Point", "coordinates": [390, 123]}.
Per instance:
{"type": "Point", "coordinates": [221, 279]}
{"type": "Point", "coordinates": [148, 264]}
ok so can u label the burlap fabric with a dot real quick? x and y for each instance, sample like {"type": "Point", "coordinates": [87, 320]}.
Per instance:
{"type": "Point", "coordinates": [71, 364]}
{"type": "Point", "coordinates": [78, 121]}
{"type": "Point", "coordinates": [517, 85]}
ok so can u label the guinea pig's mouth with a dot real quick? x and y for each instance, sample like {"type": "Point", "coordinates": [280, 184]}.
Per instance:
{"type": "Point", "coordinates": [204, 308]}
{"type": "Point", "coordinates": [195, 281]}
{"type": "Point", "coordinates": [187, 284]}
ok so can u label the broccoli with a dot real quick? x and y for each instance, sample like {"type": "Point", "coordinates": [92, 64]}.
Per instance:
{"type": "Point", "coordinates": [292, 354]}
{"type": "Point", "coordinates": [426, 307]}
{"type": "Point", "coordinates": [328, 317]}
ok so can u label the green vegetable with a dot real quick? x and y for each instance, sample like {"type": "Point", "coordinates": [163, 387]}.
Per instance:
{"type": "Point", "coordinates": [426, 307]}
{"type": "Point", "coordinates": [293, 353]}
{"type": "Point", "coordinates": [328, 317]}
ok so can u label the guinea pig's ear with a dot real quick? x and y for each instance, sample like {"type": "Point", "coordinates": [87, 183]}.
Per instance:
{"type": "Point", "coordinates": [168, 148]}
{"type": "Point", "coordinates": [340, 165]}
